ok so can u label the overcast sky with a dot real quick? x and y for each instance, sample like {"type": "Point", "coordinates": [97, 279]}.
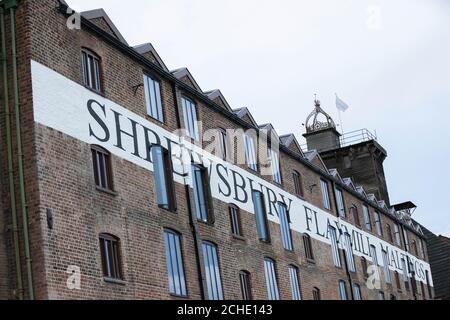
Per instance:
{"type": "Point", "coordinates": [389, 60]}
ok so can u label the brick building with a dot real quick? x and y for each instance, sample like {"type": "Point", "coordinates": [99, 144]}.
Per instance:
{"type": "Point", "coordinates": [121, 179]}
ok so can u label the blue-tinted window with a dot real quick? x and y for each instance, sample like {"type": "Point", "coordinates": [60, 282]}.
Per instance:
{"type": "Point", "coordinates": [367, 221]}
{"type": "Point", "coordinates": [190, 119]}
{"type": "Point", "coordinates": [261, 216]}
{"type": "Point", "coordinates": [275, 166]}
{"type": "Point", "coordinates": [343, 290]}
{"type": "Point", "coordinates": [285, 227]}
{"type": "Point", "coordinates": [325, 194]}
{"type": "Point", "coordinates": [212, 271]}
{"type": "Point", "coordinates": [271, 280]}
{"type": "Point", "coordinates": [153, 98]}
{"type": "Point", "coordinates": [201, 194]}
{"type": "Point", "coordinates": [335, 247]}
{"type": "Point", "coordinates": [250, 153]}
{"type": "Point", "coordinates": [295, 284]}
{"type": "Point", "coordinates": [349, 253]}
{"type": "Point", "coordinates": [174, 261]}
{"type": "Point", "coordinates": [340, 203]}
{"type": "Point", "coordinates": [162, 168]}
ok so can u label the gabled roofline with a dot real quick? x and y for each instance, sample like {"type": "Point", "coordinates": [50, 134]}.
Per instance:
{"type": "Point", "coordinates": [289, 139]}
{"type": "Point", "coordinates": [269, 127]}
{"type": "Point", "coordinates": [148, 47]}
{"type": "Point", "coordinates": [100, 13]}
{"type": "Point", "coordinates": [91, 27]}
{"type": "Point", "coordinates": [242, 112]}
{"type": "Point", "coordinates": [184, 72]}
{"type": "Point", "coordinates": [214, 94]}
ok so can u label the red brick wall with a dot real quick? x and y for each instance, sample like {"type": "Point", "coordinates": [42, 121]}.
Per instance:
{"type": "Point", "coordinates": [59, 177]}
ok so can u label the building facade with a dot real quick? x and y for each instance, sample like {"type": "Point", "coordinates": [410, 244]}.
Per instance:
{"type": "Point", "coordinates": [121, 179]}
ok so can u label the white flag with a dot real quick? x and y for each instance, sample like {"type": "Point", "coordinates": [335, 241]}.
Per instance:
{"type": "Point", "coordinates": [341, 105]}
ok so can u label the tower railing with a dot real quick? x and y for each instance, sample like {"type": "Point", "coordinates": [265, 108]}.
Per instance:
{"type": "Point", "coordinates": [351, 138]}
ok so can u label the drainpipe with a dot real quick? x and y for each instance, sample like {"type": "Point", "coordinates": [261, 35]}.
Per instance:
{"type": "Point", "coordinates": [192, 218]}
{"type": "Point", "coordinates": [23, 200]}
{"type": "Point", "coordinates": [12, 191]}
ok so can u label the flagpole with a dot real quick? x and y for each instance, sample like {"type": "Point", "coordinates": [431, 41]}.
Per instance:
{"type": "Point", "coordinates": [340, 120]}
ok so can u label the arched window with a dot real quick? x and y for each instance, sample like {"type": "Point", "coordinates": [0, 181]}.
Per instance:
{"type": "Point", "coordinates": [298, 183]}
{"type": "Point", "coordinates": [414, 248]}
{"type": "Point", "coordinates": [91, 70]}
{"type": "Point", "coordinates": [316, 294]}
{"type": "Point", "coordinates": [246, 289]}
{"type": "Point", "coordinates": [110, 252]}
{"type": "Point", "coordinates": [235, 219]}
{"type": "Point", "coordinates": [355, 214]}
{"type": "Point", "coordinates": [101, 159]}
{"type": "Point", "coordinates": [364, 267]}
{"type": "Point", "coordinates": [273, 292]}
{"type": "Point", "coordinates": [174, 263]}
{"type": "Point", "coordinates": [308, 247]}
{"type": "Point", "coordinates": [389, 233]}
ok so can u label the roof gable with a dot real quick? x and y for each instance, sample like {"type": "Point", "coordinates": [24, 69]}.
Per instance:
{"type": "Point", "coordinates": [102, 20]}
{"type": "Point", "coordinates": [291, 142]}
{"type": "Point", "coordinates": [149, 52]}
{"type": "Point", "coordinates": [184, 75]}
{"type": "Point", "coordinates": [349, 183]}
{"type": "Point", "coordinates": [315, 158]}
{"type": "Point", "coordinates": [335, 174]}
{"type": "Point", "coordinates": [218, 97]}
{"type": "Point", "coordinates": [270, 131]}
{"type": "Point", "coordinates": [245, 115]}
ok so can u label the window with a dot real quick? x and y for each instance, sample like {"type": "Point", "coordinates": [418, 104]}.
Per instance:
{"type": "Point", "coordinates": [357, 292]}
{"type": "Point", "coordinates": [298, 184]}
{"type": "Point", "coordinates": [235, 218]}
{"type": "Point", "coordinates": [102, 168]}
{"type": "Point", "coordinates": [295, 286]}
{"type": "Point", "coordinates": [91, 70]}
{"type": "Point", "coordinates": [285, 227]}
{"type": "Point", "coordinates": [250, 153]}
{"type": "Point", "coordinates": [355, 214]}
{"type": "Point", "coordinates": [325, 194]}
{"type": "Point", "coordinates": [335, 247]}
{"type": "Point", "coordinates": [397, 236]}
{"type": "Point", "coordinates": [397, 280]}
{"type": "Point", "coordinates": [109, 249]}
{"type": "Point", "coordinates": [414, 248]}
{"type": "Point", "coordinates": [393, 297]}
{"type": "Point", "coordinates": [387, 271]}
{"type": "Point", "coordinates": [381, 295]}
{"type": "Point", "coordinates": [405, 274]}
{"type": "Point", "coordinates": [152, 90]}
{"type": "Point", "coordinates": [275, 166]}
{"type": "Point", "coordinates": [271, 279]}
{"type": "Point", "coordinates": [162, 164]}
{"type": "Point", "coordinates": [422, 249]}
{"type": "Point", "coordinates": [342, 290]}
{"type": "Point", "coordinates": [364, 267]}
{"type": "Point", "coordinates": [316, 294]}
{"type": "Point", "coordinates": [212, 271]}
{"type": "Point", "coordinates": [378, 223]}
{"type": "Point", "coordinates": [261, 216]}
{"type": "Point", "coordinates": [191, 119]}
{"type": "Point", "coordinates": [223, 143]}
{"type": "Point", "coordinates": [308, 247]}
{"type": "Point", "coordinates": [244, 279]}
{"type": "Point", "coordinates": [430, 290]}
{"type": "Point", "coordinates": [373, 255]}
{"type": "Point", "coordinates": [422, 288]}
{"type": "Point", "coordinates": [405, 234]}
{"type": "Point", "coordinates": [367, 221]}
{"type": "Point", "coordinates": [389, 233]}
{"type": "Point", "coordinates": [174, 261]}
{"type": "Point", "coordinates": [202, 196]}
{"type": "Point", "coordinates": [349, 253]}
{"type": "Point", "coordinates": [340, 203]}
